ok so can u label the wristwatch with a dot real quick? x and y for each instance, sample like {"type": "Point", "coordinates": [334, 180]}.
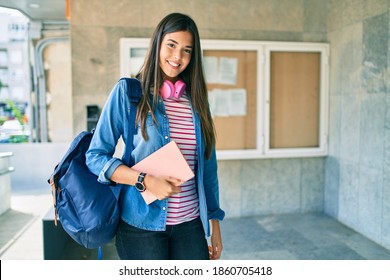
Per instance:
{"type": "Point", "coordinates": [139, 185]}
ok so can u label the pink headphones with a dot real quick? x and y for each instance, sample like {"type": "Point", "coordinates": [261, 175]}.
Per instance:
{"type": "Point", "coordinates": [169, 90]}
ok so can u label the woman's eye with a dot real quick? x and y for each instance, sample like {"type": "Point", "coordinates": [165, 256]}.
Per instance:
{"type": "Point", "coordinates": [170, 45]}
{"type": "Point", "coordinates": [188, 51]}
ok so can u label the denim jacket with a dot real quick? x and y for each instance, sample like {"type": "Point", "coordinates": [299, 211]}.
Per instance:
{"type": "Point", "coordinates": [113, 123]}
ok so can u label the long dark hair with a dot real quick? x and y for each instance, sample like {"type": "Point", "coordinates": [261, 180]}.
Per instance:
{"type": "Point", "coordinates": [151, 77]}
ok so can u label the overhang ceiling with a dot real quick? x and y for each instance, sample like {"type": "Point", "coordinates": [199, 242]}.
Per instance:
{"type": "Point", "coordinates": [38, 10]}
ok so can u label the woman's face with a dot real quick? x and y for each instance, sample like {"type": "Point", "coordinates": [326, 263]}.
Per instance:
{"type": "Point", "coordinates": [175, 53]}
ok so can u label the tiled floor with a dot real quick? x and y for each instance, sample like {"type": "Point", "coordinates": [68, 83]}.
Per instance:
{"type": "Point", "coordinates": [279, 237]}
{"type": "Point", "coordinates": [312, 236]}
{"type": "Point", "coordinates": [21, 227]}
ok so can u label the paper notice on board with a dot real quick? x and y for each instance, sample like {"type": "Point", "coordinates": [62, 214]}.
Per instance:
{"type": "Point", "coordinates": [221, 70]}
{"type": "Point", "coordinates": [211, 98]}
{"type": "Point", "coordinates": [210, 64]}
{"type": "Point", "coordinates": [221, 103]}
{"type": "Point", "coordinates": [237, 102]}
{"type": "Point", "coordinates": [225, 103]}
{"type": "Point", "coordinates": [227, 73]}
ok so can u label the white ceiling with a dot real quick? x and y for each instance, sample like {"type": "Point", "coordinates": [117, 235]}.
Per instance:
{"type": "Point", "coordinates": [38, 10]}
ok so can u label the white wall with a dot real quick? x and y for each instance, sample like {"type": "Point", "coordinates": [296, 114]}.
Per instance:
{"type": "Point", "coordinates": [33, 163]}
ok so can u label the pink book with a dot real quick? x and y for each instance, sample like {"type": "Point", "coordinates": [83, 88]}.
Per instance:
{"type": "Point", "coordinates": [166, 161]}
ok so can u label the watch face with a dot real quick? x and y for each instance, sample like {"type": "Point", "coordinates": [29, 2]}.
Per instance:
{"type": "Point", "coordinates": [140, 187]}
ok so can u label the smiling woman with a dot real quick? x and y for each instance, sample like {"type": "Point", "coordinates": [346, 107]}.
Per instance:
{"type": "Point", "coordinates": [174, 226]}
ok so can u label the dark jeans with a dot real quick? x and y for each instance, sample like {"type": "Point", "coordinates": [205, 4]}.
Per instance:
{"type": "Point", "coordinates": [185, 241]}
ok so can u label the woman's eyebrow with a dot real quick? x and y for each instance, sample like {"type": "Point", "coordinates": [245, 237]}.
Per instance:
{"type": "Point", "coordinates": [178, 43]}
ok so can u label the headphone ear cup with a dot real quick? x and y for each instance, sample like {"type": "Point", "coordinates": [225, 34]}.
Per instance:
{"type": "Point", "coordinates": [180, 87]}
{"type": "Point", "coordinates": [167, 89]}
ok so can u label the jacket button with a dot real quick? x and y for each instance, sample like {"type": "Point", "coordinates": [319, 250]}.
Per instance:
{"type": "Point", "coordinates": [164, 208]}
{"type": "Point", "coordinates": [166, 137]}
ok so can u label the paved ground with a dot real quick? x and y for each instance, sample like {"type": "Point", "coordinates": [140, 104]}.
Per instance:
{"type": "Point", "coordinates": [311, 236]}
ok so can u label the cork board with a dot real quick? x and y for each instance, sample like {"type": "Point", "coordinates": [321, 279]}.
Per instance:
{"type": "Point", "coordinates": [295, 99]}
{"type": "Point", "coordinates": [238, 132]}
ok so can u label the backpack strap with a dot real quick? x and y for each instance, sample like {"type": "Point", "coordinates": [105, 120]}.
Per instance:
{"type": "Point", "coordinates": [134, 92]}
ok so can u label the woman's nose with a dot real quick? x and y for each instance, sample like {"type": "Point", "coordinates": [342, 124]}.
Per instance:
{"type": "Point", "coordinates": [177, 54]}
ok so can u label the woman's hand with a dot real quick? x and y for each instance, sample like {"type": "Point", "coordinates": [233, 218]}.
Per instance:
{"type": "Point", "coordinates": [162, 186]}
{"type": "Point", "coordinates": [215, 249]}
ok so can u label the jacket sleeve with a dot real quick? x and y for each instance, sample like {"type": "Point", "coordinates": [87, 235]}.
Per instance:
{"type": "Point", "coordinates": [99, 157]}
{"type": "Point", "coordinates": [211, 185]}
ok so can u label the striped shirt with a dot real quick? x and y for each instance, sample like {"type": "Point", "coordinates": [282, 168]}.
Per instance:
{"type": "Point", "coordinates": [184, 206]}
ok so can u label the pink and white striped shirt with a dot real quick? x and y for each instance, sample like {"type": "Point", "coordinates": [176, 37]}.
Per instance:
{"type": "Point", "coordinates": [184, 206]}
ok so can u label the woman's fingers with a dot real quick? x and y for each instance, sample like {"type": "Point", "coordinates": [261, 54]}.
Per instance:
{"type": "Point", "coordinates": [163, 186]}
{"type": "Point", "coordinates": [174, 181]}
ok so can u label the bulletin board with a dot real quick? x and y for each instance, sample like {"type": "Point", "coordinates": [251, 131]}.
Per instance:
{"type": "Point", "coordinates": [295, 99]}
{"type": "Point", "coordinates": [234, 72]}
{"type": "Point", "coordinates": [267, 99]}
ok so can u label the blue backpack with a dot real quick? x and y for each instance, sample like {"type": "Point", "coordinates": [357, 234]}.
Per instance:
{"type": "Point", "coordinates": [88, 210]}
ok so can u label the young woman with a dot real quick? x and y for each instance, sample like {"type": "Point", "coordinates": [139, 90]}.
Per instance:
{"type": "Point", "coordinates": [176, 225]}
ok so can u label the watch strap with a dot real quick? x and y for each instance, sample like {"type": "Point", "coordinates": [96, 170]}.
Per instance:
{"type": "Point", "coordinates": [141, 177]}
